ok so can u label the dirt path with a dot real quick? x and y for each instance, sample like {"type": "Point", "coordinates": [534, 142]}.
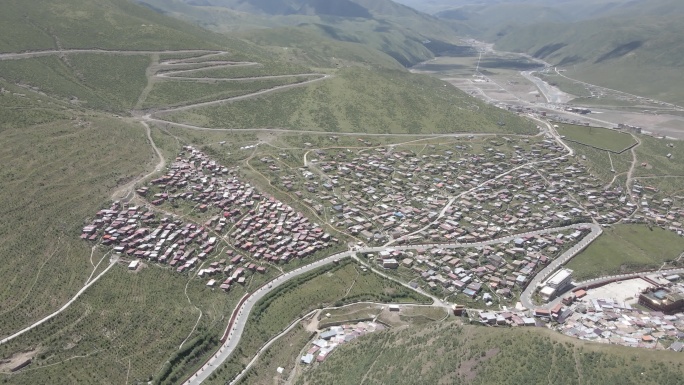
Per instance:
{"type": "Point", "coordinates": [149, 73]}
{"type": "Point", "coordinates": [630, 178]}
{"type": "Point", "coordinates": [112, 263]}
{"type": "Point", "coordinates": [126, 192]}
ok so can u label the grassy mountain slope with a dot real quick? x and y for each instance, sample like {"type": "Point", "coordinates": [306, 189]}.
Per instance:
{"type": "Point", "coordinates": [98, 81]}
{"type": "Point", "coordinates": [633, 46]}
{"type": "Point", "coordinates": [63, 154]}
{"type": "Point", "coordinates": [308, 45]}
{"type": "Point", "coordinates": [452, 354]}
{"type": "Point", "coordinates": [386, 26]}
{"type": "Point", "coordinates": [641, 56]}
{"type": "Point", "coordinates": [358, 100]}
{"type": "Point", "coordinates": [113, 24]}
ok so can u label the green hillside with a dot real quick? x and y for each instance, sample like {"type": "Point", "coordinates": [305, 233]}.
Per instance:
{"type": "Point", "coordinates": [447, 353]}
{"type": "Point", "coordinates": [631, 46]}
{"type": "Point", "coordinates": [63, 156]}
{"type": "Point", "coordinates": [72, 135]}
{"type": "Point", "coordinates": [111, 24]}
{"type": "Point", "coordinates": [641, 56]}
{"type": "Point", "coordinates": [394, 29]}
{"type": "Point", "coordinates": [359, 100]}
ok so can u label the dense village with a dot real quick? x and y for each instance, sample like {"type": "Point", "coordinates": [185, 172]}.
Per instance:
{"type": "Point", "coordinates": [392, 194]}
{"type": "Point", "coordinates": [479, 276]}
{"type": "Point", "coordinates": [249, 230]}
{"type": "Point", "coordinates": [442, 198]}
{"type": "Point", "coordinates": [645, 312]}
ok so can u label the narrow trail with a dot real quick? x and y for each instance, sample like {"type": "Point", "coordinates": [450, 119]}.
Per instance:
{"type": "Point", "coordinates": [630, 176]}
{"type": "Point", "coordinates": [126, 192]}
{"type": "Point", "coordinates": [112, 263]}
{"type": "Point", "coordinates": [149, 73]}
{"type": "Point", "coordinates": [610, 158]}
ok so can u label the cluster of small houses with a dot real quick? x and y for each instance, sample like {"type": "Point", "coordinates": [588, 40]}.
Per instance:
{"type": "Point", "coordinates": [613, 322]}
{"type": "Point", "coordinates": [502, 269]}
{"type": "Point", "coordinates": [392, 193]}
{"type": "Point", "coordinates": [601, 320]}
{"type": "Point", "coordinates": [137, 233]}
{"type": "Point", "coordinates": [262, 227]}
{"type": "Point", "coordinates": [259, 225]}
{"type": "Point", "coordinates": [336, 336]}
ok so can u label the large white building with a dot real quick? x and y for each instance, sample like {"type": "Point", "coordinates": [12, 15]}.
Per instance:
{"type": "Point", "coordinates": [556, 284]}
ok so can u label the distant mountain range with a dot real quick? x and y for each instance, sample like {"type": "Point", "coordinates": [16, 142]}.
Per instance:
{"type": "Point", "coordinates": [635, 46]}
{"type": "Point", "coordinates": [339, 8]}
{"type": "Point", "coordinates": [407, 35]}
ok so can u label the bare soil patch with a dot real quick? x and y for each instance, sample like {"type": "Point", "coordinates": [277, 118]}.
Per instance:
{"type": "Point", "coordinates": [18, 361]}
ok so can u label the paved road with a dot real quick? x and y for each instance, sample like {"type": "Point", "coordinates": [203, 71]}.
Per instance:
{"type": "Point", "coordinates": [27, 55]}
{"type": "Point", "coordinates": [235, 332]}
{"type": "Point", "coordinates": [526, 296]}
{"type": "Point", "coordinates": [551, 93]}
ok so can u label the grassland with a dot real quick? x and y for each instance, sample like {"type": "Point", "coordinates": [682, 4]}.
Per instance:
{"type": "Point", "coordinates": [601, 138]}
{"type": "Point", "coordinates": [283, 353]}
{"type": "Point", "coordinates": [94, 81]}
{"type": "Point", "coordinates": [358, 100]}
{"type": "Point", "coordinates": [105, 24]}
{"type": "Point", "coordinates": [125, 328]}
{"type": "Point", "coordinates": [637, 53]}
{"type": "Point", "coordinates": [454, 354]}
{"type": "Point", "coordinates": [318, 51]}
{"type": "Point", "coordinates": [625, 248]}
{"type": "Point", "coordinates": [601, 162]}
{"type": "Point", "coordinates": [654, 152]}
{"type": "Point", "coordinates": [577, 89]}
{"type": "Point", "coordinates": [52, 182]}
{"type": "Point", "coordinates": [268, 68]}
{"type": "Point", "coordinates": [286, 352]}
{"type": "Point", "coordinates": [57, 174]}
{"type": "Point", "coordinates": [332, 285]}
{"type": "Point", "coordinates": [173, 93]}
{"type": "Point", "coordinates": [64, 154]}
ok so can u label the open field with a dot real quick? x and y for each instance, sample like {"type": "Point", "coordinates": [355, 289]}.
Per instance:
{"type": "Point", "coordinates": [449, 353]}
{"type": "Point", "coordinates": [331, 285]}
{"type": "Point", "coordinates": [600, 163]}
{"type": "Point", "coordinates": [601, 138]}
{"type": "Point", "coordinates": [625, 248]}
{"type": "Point", "coordinates": [286, 352]}
{"type": "Point", "coordinates": [565, 84]}
{"type": "Point", "coordinates": [412, 315]}
{"type": "Point", "coordinates": [348, 313]}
